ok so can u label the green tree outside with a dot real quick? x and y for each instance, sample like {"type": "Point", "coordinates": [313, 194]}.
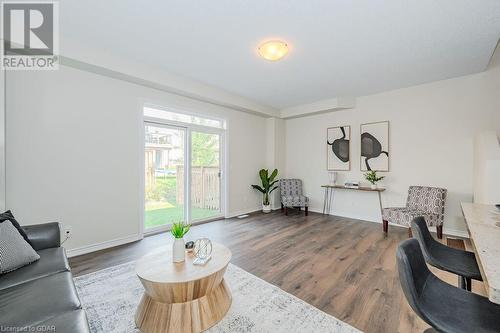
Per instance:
{"type": "Point", "coordinates": [205, 147]}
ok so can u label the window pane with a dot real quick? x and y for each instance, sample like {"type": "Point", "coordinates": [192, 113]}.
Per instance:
{"type": "Point", "coordinates": [181, 117]}
{"type": "Point", "coordinates": [164, 176]}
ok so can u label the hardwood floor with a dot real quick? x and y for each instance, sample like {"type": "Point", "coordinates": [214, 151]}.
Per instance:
{"type": "Point", "coordinates": [342, 266]}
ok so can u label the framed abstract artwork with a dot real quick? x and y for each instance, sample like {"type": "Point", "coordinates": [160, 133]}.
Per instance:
{"type": "Point", "coordinates": [338, 147]}
{"type": "Point", "coordinates": [375, 146]}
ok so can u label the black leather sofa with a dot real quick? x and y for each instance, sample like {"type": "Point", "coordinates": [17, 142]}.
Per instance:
{"type": "Point", "coordinates": [41, 297]}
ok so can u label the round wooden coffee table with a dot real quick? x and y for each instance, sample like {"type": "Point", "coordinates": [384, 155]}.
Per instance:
{"type": "Point", "coordinates": [182, 297]}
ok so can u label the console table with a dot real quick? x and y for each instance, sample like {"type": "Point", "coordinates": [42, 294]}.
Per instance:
{"type": "Point", "coordinates": [330, 189]}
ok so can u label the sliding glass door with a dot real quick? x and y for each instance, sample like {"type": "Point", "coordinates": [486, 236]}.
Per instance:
{"type": "Point", "coordinates": [182, 176]}
{"type": "Point", "coordinates": [164, 156]}
{"type": "Point", "coordinates": [205, 175]}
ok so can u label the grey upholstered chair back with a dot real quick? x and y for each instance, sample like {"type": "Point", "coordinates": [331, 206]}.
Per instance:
{"type": "Point", "coordinates": [413, 273]}
{"type": "Point", "coordinates": [427, 199]}
{"type": "Point", "coordinates": [290, 187]}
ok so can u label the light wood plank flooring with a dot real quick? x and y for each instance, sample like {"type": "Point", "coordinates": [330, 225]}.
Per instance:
{"type": "Point", "coordinates": [342, 266]}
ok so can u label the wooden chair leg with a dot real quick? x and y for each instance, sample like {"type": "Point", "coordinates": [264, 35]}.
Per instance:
{"type": "Point", "coordinates": [410, 235]}
{"type": "Point", "coordinates": [385, 225]}
{"type": "Point", "coordinates": [439, 230]}
{"type": "Point", "coordinates": [286, 211]}
{"type": "Point", "coordinates": [307, 211]}
{"type": "Point", "coordinates": [282, 208]}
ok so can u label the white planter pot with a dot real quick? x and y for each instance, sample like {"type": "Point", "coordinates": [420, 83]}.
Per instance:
{"type": "Point", "coordinates": [374, 186]}
{"type": "Point", "coordinates": [266, 208]}
{"type": "Point", "coordinates": [178, 250]}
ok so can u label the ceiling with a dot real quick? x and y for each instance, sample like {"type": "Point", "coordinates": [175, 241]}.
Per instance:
{"type": "Point", "coordinates": [338, 47]}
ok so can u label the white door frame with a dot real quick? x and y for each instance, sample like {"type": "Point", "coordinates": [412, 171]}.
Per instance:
{"type": "Point", "coordinates": [188, 128]}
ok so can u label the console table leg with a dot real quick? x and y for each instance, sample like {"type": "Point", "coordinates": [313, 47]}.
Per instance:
{"type": "Point", "coordinates": [324, 200]}
{"type": "Point", "coordinates": [380, 203]}
{"type": "Point", "coordinates": [330, 200]}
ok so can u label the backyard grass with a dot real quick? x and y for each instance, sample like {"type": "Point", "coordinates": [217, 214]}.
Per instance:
{"type": "Point", "coordinates": [157, 217]}
{"type": "Point", "coordinates": [161, 205]}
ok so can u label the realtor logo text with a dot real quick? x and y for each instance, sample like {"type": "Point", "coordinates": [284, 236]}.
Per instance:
{"type": "Point", "coordinates": [30, 35]}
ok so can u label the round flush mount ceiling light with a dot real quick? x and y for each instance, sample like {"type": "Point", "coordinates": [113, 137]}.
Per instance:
{"type": "Point", "coordinates": [273, 50]}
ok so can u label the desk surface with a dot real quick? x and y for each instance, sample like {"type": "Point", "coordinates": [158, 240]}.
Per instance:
{"type": "Point", "coordinates": [483, 223]}
{"type": "Point", "coordinates": [360, 188]}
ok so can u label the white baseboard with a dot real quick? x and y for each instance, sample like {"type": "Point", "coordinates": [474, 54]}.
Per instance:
{"type": "Point", "coordinates": [449, 232]}
{"type": "Point", "coordinates": [101, 246]}
{"type": "Point", "coordinates": [242, 212]}
{"type": "Point", "coordinates": [456, 233]}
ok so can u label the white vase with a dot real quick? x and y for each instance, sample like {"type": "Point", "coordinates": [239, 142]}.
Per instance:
{"type": "Point", "coordinates": [266, 208]}
{"type": "Point", "coordinates": [178, 250]}
{"type": "Point", "coordinates": [374, 186]}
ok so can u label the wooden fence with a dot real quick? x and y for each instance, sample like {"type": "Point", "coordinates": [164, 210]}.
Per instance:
{"type": "Point", "coordinates": [205, 187]}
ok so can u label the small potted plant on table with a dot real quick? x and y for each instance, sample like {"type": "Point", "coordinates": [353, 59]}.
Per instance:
{"type": "Point", "coordinates": [267, 187]}
{"type": "Point", "coordinates": [373, 178]}
{"type": "Point", "coordinates": [179, 250]}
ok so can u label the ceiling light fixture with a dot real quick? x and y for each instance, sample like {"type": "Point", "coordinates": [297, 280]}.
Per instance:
{"type": "Point", "coordinates": [273, 50]}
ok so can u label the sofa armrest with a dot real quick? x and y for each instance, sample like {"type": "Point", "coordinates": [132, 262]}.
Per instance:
{"type": "Point", "coordinates": [44, 236]}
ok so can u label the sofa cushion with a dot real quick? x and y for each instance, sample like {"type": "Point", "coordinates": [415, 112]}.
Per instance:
{"type": "Point", "coordinates": [38, 300]}
{"type": "Point", "coordinates": [8, 216]}
{"type": "Point", "coordinates": [74, 322]}
{"type": "Point", "coordinates": [15, 252]}
{"type": "Point", "coordinates": [51, 261]}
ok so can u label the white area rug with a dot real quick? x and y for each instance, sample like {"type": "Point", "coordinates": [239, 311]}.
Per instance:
{"type": "Point", "coordinates": [110, 297]}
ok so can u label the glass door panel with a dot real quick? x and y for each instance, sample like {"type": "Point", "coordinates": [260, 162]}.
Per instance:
{"type": "Point", "coordinates": [205, 175]}
{"type": "Point", "coordinates": [164, 156]}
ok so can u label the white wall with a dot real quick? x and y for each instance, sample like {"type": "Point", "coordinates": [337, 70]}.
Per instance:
{"type": "Point", "coordinates": [432, 128]}
{"type": "Point", "coordinates": [74, 145]}
{"type": "Point", "coordinates": [275, 150]}
{"type": "Point", "coordinates": [487, 168]}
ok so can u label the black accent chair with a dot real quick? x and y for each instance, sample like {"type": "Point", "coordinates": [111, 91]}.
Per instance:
{"type": "Point", "coordinates": [462, 263]}
{"type": "Point", "coordinates": [445, 307]}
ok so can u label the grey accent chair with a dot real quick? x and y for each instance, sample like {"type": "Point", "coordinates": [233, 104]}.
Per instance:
{"type": "Point", "coordinates": [292, 195]}
{"type": "Point", "coordinates": [443, 306]}
{"type": "Point", "coordinates": [423, 201]}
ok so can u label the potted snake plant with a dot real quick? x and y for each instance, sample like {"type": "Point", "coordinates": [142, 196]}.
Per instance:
{"type": "Point", "coordinates": [268, 186]}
